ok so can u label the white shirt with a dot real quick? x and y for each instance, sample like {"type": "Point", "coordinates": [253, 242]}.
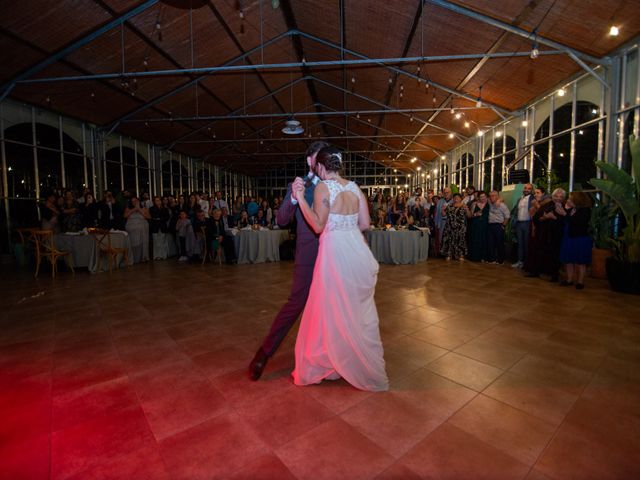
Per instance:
{"type": "Point", "coordinates": [221, 204]}
{"type": "Point", "coordinates": [523, 209]}
{"type": "Point", "coordinates": [204, 205]}
{"type": "Point", "coordinates": [314, 179]}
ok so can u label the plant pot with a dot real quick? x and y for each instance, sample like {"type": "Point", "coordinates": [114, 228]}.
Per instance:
{"type": "Point", "coordinates": [623, 277]}
{"type": "Point", "coordinates": [598, 259]}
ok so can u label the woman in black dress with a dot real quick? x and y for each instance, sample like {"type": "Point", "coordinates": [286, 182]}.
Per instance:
{"type": "Point", "coordinates": [479, 224]}
{"type": "Point", "coordinates": [454, 243]}
{"type": "Point", "coordinates": [575, 251]}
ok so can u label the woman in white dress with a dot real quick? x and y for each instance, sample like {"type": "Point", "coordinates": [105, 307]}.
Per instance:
{"type": "Point", "coordinates": [339, 334]}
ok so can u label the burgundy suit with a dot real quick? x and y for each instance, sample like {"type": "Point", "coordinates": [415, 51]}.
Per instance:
{"type": "Point", "coordinates": [306, 253]}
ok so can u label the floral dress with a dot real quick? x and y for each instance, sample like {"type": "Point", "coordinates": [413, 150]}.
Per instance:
{"type": "Point", "coordinates": [454, 243]}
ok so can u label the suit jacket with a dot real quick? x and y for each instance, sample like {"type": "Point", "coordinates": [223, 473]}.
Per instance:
{"type": "Point", "coordinates": [306, 238]}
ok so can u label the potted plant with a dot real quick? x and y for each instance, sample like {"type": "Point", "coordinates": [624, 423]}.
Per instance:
{"type": "Point", "coordinates": [601, 228]}
{"type": "Point", "coordinates": [623, 268]}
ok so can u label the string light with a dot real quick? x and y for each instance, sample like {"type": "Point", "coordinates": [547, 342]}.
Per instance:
{"type": "Point", "coordinates": [451, 135]}
{"type": "Point", "coordinates": [561, 92]}
{"type": "Point", "coordinates": [499, 133]}
{"type": "Point", "coordinates": [458, 116]}
{"type": "Point", "coordinates": [466, 124]}
{"type": "Point", "coordinates": [614, 31]}
{"type": "Point", "coordinates": [525, 123]}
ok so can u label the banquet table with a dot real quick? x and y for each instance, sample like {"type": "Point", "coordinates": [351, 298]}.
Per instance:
{"type": "Point", "coordinates": [258, 246]}
{"type": "Point", "coordinates": [84, 252]}
{"type": "Point", "coordinates": [399, 247]}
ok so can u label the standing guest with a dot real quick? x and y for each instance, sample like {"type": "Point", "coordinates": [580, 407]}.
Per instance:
{"type": "Point", "coordinates": [182, 203]}
{"type": "Point", "coordinates": [546, 235]}
{"type": "Point", "coordinates": [185, 235]}
{"type": "Point", "coordinates": [228, 245]}
{"type": "Point", "coordinates": [479, 224]}
{"type": "Point", "coordinates": [203, 203]}
{"type": "Point", "coordinates": [575, 250]}
{"type": "Point", "coordinates": [454, 244]}
{"type": "Point", "coordinates": [109, 213]}
{"type": "Point", "coordinates": [498, 218]}
{"type": "Point", "coordinates": [146, 200]}
{"type": "Point", "coordinates": [159, 226]}
{"type": "Point", "coordinates": [89, 210]}
{"type": "Point", "coordinates": [252, 207]}
{"type": "Point", "coordinates": [523, 224]}
{"type": "Point", "coordinates": [71, 216]}
{"type": "Point", "coordinates": [376, 204]}
{"type": "Point", "coordinates": [266, 211]}
{"type": "Point", "coordinates": [137, 227]}
{"type": "Point", "coordinates": [50, 213]}
{"type": "Point", "coordinates": [470, 196]}
{"type": "Point", "coordinates": [381, 218]}
{"type": "Point", "coordinates": [440, 217]}
{"type": "Point", "coordinates": [220, 202]}
{"type": "Point", "coordinates": [192, 207]}
{"type": "Point", "coordinates": [238, 206]}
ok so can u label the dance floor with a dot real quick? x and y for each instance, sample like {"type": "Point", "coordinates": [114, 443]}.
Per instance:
{"type": "Point", "coordinates": [142, 374]}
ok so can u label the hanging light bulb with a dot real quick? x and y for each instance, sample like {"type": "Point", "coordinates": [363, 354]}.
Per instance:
{"type": "Point", "coordinates": [353, 79]}
{"type": "Point", "coordinates": [466, 124]}
{"type": "Point", "coordinates": [451, 135]}
{"type": "Point", "coordinates": [390, 80]}
{"type": "Point", "coordinates": [479, 102]}
{"type": "Point", "coordinates": [525, 123]}
{"type": "Point", "coordinates": [453, 110]}
{"type": "Point", "coordinates": [534, 51]}
{"type": "Point", "coordinates": [614, 31]}
{"type": "Point", "coordinates": [499, 133]}
{"type": "Point", "coordinates": [561, 92]}
{"type": "Point", "coordinates": [458, 116]}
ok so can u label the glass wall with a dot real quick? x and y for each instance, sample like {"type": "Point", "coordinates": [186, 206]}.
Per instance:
{"type": "Point", "coordinates": [44, 152]}
{"type": "Point", "coordinates": [558, 137]}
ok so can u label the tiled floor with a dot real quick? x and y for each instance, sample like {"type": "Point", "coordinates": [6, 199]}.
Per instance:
{"type": "Point", "coordinates": [142, 374]}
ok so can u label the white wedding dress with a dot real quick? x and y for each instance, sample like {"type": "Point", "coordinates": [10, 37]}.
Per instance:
{"type": "Point", "coordinates": [339, 334]}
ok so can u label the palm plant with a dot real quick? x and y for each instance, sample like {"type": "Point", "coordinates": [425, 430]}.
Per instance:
{"type": "Point", "coordinates": [624, 191]}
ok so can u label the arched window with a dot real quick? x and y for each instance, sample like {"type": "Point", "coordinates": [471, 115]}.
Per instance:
{"type": "Point", "coordinates": [174, 177]}
{"type": "Point", "coordinates": [508, 145]}
{"type": "Point", "coordinates": [586, 147]}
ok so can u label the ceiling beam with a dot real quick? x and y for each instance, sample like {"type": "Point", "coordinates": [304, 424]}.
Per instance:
{"type": "Point", "coordinates": [467, 12]}
{"type": "Point", "coordinates": [78, 43]}
{"type": "Point", "coordinates": [292, 25]}
{"type": "Point", "coordinates": [407, 44]}
{"type": "Point", "coordinates": [190, 83]}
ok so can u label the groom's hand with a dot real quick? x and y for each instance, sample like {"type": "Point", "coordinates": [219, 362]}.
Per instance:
{"type": "Point", "coordinates": [297, 187]}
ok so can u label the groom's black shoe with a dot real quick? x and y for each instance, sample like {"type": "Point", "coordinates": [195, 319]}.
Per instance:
{"type": "Point", "coordinates": [257, 365]}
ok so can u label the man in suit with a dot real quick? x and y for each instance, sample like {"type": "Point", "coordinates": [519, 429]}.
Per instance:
{"type": "Point", "coordinates": [306, 253]}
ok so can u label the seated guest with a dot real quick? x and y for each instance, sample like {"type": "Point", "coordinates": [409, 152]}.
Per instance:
{"type": "Point", "coordinates": [146, 201]}
{"type": "Point", "coordinates": [227, 220]}
{"type": "Point", "coordinates": [89, 211]}
{"type": "Point", "coordinates": [238, 206]}
{"type": "Point", "coordinates": [186, 238]}
{"type": "Point", "coordinates": [381, 218]}
{"type": "Point", "coordinates": [244, 220]}
{"type": "Point", "coordinates": [261, 219]}
{"type": "Point", "coordinates": [109, 213]}
{"type": "Point", "coordinates": [71, 217]}
{"type": "Point", "coordinates": [216, 233]}
{"type": "Point", "coordinates": [575, 251]}
{"type": "Point", "coordinates": [498, 218]}
{"type": "Point", "coordinates": [417, 205]}
{"type": "Point", "coordinates": [137, 227]}
{"type": "Point", "coordinates": [49, 213]}
{"type": "Point", "coordinates": [274, 222]}
{"type": "Point", "coordinates": [159, 226]}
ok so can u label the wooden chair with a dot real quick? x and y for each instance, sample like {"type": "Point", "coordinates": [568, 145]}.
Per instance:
{"type": "Point", "coordinates": [201, 236]}
{"type": "Point", "coordinates": [46, 248]}
{"type": "Point", "coordinates": [28, 239]}
{"type": "Point", "coordinates": [104, 248]}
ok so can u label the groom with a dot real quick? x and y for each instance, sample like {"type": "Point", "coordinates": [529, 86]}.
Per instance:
{"type": "Point", "coordinates": [306, 253]}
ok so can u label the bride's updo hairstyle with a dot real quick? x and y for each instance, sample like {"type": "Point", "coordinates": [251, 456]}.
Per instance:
{"type": "Point", "coordinates": [330, 158]}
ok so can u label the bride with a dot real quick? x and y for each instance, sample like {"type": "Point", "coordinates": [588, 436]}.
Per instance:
{"type": "Point", "coordinates": [339, 335]}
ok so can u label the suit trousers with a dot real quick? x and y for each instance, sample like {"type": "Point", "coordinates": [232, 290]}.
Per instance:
{"type": "Point", "coordinates": [496, 242]}
{"type": "Point", "coordinates": [522, 234]}
{"type": "Point", "coordinates": [289, 313]}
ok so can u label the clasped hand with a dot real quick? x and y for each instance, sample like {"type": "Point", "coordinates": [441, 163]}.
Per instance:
{"type": "Point", "coordinates": [297, 189]}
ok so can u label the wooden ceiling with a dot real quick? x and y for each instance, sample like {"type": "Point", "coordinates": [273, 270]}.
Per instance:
{"type": "Point", "coordinates": [163, 35]}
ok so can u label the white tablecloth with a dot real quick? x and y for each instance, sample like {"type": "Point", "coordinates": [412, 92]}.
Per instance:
{"type": "Point", "coordinates": [84, 252]}
{"type": "Point", "coordinates": [259, 246]}
{"type": "Point", "coordinates": [399, 247]}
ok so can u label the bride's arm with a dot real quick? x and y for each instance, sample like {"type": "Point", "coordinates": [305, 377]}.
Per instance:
{"type": "Point", "coordinates": [317, 216]}
{"type": "Point", "coordinates": [364, 219]}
